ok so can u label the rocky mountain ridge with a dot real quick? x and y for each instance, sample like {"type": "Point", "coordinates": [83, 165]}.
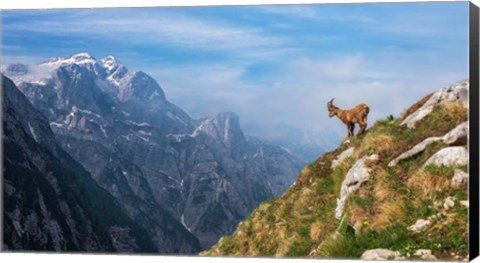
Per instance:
{"type": "Point", "coordinates": [399, 191]}
{"type": "Point", "coordinates": [149, 154]}
{"type": "Point", "coordinates": [50, 203]}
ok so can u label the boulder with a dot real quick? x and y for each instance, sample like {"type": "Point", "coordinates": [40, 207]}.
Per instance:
{"type": "Point", "coordinates": [458, 92]}
{"type": "Point", "coordinates": [457, 134]}
{"type": "Point", "coordinates": [425, 254]}
{"type": "Point", "coordinates": [419, 226]}
{"type": "Point", "coordinates": [358, 174]}
{"type": "Point", "coordinates": [415, 150]}
{"type": "Point", "coordinates": [449, 202]}
{"type": "Point", "coordinates": [465, 203]}
{"type": "Point", "coordinates": [456, 155]}
{"type": "Point", "coordinates": [459, 178]}
{"type": "Point", "coordinates": [345, 154]}
{"type": "Point", "coordinates": [381, 254]}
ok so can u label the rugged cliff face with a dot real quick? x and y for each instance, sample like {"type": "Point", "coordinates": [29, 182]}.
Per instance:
{"type": "Point", "coordinates": [150, 155]}
{"type": "Point", "coordinates": [398, 191]}
{"type": "Point", "coordinates": [49, 201]}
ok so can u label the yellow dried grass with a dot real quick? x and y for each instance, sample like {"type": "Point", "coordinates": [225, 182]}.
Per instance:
{"type": "Point", "coordinates": [388, 212]}
{"type": "Point", "coordinates": [426, 184]}
{"type": "Point", "coordinates": [316, 230]}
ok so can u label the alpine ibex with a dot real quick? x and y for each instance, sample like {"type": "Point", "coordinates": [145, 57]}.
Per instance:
{"type": "Point", "coordinates": [350, 116]}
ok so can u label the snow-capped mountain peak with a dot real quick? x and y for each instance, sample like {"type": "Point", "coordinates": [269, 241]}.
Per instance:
{"type": "Point", "coordinates": [110, 63]}
{"type": "Point", "coordinates": [80, 58]}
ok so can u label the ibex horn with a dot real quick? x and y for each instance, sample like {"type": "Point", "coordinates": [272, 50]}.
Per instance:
{"type": "Point", "coordinates": [331, 101]}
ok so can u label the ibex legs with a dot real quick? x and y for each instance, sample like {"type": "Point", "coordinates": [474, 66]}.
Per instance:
{"type": "Point", "coordinates": [351, 128]}
{"type": "Point", "coordinates": [363, 124]}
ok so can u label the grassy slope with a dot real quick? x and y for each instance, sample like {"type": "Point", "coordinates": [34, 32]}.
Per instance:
{"type": "Point", "coordinates": [301, 223]}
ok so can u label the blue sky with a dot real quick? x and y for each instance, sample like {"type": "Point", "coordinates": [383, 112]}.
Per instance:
{"type": "Point", "coordinates": [275, 66]}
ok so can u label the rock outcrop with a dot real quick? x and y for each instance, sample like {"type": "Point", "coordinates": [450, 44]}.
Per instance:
{"type": "Point", "coordinates": [344, 155]}
{"type": "Point", "coordinates": [420, 225]}
{"type": "Point", "coordinates": [358, 174]}
{"type": "Point", "coordinates": [457, 155]}
{"type": "Point", "coordinates": [455, 93]}
{"type": "Point", "coordinates": [458, 133]}
{"type": "Point", "coordinates": [381, 254]}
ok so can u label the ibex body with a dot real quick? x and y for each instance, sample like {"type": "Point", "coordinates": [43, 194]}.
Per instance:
{"type": "Point", "coordinates": [358, 114]}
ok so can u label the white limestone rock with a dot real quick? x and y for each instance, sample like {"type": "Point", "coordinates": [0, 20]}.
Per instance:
{"type": "Point", "coordinates": [459, 132]}
{"type": "Point", "coordinates": [358, 174]}
{"type": "Point", "coordinates": [456, 155]}
{"type": "Point", "coordinates": [419, 226]}
{"type": "Point", "coordinates": [344, 155]}
{"type": "Point", "coordinates": [458, 92]}
{"type": "Point", "coordinates": [449, 202]}
{"type": "Point", "coordinates": [459, 178]}
{"type": "Point", "coordinates": [414, 150]}
{"type": "Point", "coordinates": [425, 254]}
{"type": "Point", "coordinates": [465, 203]}
{"type": "Point", "coordinates": [381, 254]}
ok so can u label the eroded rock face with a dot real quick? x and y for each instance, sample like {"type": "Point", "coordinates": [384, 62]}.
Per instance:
{"type": "Point", "coordinates": [201, 175]}
{"type": "Point", "coordinates": [460, 132]}
{"type": "Point", "coordinates": [50, 202]}
{"type": "Point", "coordinates": [457, 155]}
{"type": "Point", "coordinates": [458, 93]}
{"type": "Point", "coordinates": [414, 150]}
{"type": "Point", "coordinates": [358, 174]}
{"type": "Point", "coordinates": [457, 134]}
{"type": "Point", "coordinates": [344, 155]}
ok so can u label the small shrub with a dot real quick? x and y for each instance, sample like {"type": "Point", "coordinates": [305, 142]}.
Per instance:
{"type": "Point", "coordinates": [390, 118]}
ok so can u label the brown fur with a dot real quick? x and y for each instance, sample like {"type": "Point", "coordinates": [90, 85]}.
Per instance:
{"type": "Point", "coordinates": [358, 114]}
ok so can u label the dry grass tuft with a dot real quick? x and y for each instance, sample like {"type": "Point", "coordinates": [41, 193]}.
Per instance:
{"type": "Point", "coordinates": [332, 246]}
{"type": "Point", "coordinates": [358, 214]}
{"type": "Point", "coordinates": [316, 230]}
{"type": "Point", "coordinates": [284, 245]}
{"type": "Point", "coordinates": [345, 164]}
{"type": "Point", "coordinates": [381, 144]}
{"type": "Point", "coordinates": [382, 191]}
{"type": "Point", "coordinates": [454, 109]}
{"type": "Point", "coordinates": [305, 199]}
{"type": "Point", "coordinates": [427, 183]}
{"type": "Point", "coordinates": [387, 213]}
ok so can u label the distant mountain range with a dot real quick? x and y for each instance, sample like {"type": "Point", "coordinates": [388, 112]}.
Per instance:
{"type": "Point", "coordinates": [49, 201]}
{"type": "Point", "coordinates": [184, 181]}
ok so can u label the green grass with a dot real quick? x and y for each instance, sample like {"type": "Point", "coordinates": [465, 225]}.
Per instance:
{"type": "Point", "coordinates": [286, 222]}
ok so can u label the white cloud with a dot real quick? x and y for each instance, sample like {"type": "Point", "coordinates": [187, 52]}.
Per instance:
{"type": "Point", "coordinates": [388, 79]}
{"type": "Point", "coordinates": [174, 29]}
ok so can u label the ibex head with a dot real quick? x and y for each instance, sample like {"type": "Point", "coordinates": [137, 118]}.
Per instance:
{"type": "Point", "coordinates": [331, 108]}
